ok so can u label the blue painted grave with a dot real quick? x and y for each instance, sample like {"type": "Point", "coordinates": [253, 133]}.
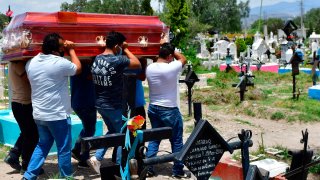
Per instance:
{"type": "Point", "coordinates": [314, 92]}
{"type": "Point", "coordinates": [283, 70]}
{"type": "Point", "coordinates": [9, 129]}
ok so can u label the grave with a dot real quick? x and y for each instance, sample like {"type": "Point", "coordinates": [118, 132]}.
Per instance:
{"type": "Point", "coordinates": [204, 53]}
{"type": "Point", "coordinates": [314, 92]}
{"type": "Point", "coordinates": [9, 129]}
{"type": "Point", "coordinates": [274, 167]}
{"type": "Point", "coordinates": [314, 42]}
{"type": "Point", "coordinates": [288, 68]}
{"type": "Point", "coordinates": [270, 67]}
{"type": "Point", "coordinates": [259, 47]}
{"type": "Point", "coordinates": [203, 150]}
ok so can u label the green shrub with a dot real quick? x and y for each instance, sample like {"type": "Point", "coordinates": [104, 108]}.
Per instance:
{"type": "Point", "coordinates": [277, 116]}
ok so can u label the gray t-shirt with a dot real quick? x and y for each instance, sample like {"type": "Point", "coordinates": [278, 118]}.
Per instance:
{"type": "Point", "coordinates": [48, 76]}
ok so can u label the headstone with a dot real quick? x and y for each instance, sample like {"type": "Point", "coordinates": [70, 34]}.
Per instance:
{"type": "Point", "coordinates": [259, 47]}
{"type": "Point", "coordinates": [203, 150]}
{"type": "Point", "coordinates": [221, 49]}
{"type": "Point", "coordinates": [233, 51]}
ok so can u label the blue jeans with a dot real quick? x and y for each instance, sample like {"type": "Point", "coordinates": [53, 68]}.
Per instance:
{"type": "Point", "coordinates": [88, 117]}
{"type": "Point", "coordinates": [167, 117]}
{"type": "Point", "coordinates": [50, 131]}
{"type": "Point", "coordinates": [113, 120]}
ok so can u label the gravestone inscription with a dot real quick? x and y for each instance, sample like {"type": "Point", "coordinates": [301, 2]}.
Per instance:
{"type": "Point", "coordinates": [203, 150]}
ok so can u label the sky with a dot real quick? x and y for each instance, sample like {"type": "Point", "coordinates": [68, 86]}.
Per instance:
{"type": "Point", "coordinates": [21, 6]}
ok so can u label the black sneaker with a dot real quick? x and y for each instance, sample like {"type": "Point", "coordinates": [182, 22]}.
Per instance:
{"type": "Point", "coordinates": [83, 165]}
{"type": "Point", "coordinates": [185, 175]}
{"type": "Point", "coordinates": [76, 155]}
{"type": "Point", "coordinates": [13, 162]}
{"type": "Point", "coordinates": [150, 173]}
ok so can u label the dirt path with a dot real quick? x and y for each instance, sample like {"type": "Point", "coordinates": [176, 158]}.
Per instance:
{"type": "Point", "coordinates": [228, 125]}
{"type": "Point", "coordinates": [273, 132]}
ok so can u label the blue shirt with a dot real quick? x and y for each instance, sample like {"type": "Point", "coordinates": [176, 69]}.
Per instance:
{"type": "Point", "coordinates": [300, 54]}
{"type": "Point", "coordinates": [107, 74]}
{"type": "Point", "coordinates": [318, 54]}
{"type": "Point", "coordinates": [140, 101]}
{"type": "Point", "coordinates": [82, 89]}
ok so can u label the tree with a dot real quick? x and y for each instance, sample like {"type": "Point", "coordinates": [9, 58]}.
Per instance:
{"type": "Point", "coordinates": [93, 6]}
{"type": "Point", "coordinates": [273, 25]}
{"type": "Point", "coordinates": [137, 7]}
{"type": "Point", "coordinates": [244, 9]}
{"type": "Point", "coordinates": [176, 14]}
{"type": "Point", "coordinates": [195, 27]}
{"type": "Point", "coordinates": [4, 20]}
{"type": "Point", "coordinates": [241, 45]}
{"type": "Point", "coordinates": [146, 7]}
{"type": "Point", "coordinates": [311, 20]}
{"type": "Point", "coordinates": [222, 15]}
{"type": "Point", "coordinates": [76, 6]}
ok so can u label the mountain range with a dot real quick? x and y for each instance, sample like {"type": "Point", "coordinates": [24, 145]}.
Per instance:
{"type": "Point", "coordinates": [284, 10]}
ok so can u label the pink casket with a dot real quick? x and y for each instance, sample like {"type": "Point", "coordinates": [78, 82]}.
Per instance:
{"type": "Point", "coordinates": [24, 34]}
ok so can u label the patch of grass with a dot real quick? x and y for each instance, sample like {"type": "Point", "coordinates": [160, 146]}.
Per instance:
{"type": "Point", "coordinates": [215, 107]}
{"type": "Point", "coordinates": [315, 169]}
{"type": "Point", "coordinates": [304, 117]}
{"type": "Point", "coordinates": [263, 113]}
{"type": "Point", "coordinates": [243, 122]}
{"type": "Point", "coordinates": [277, 116]}
{"type": "Point", "coordinates": [3, 151]}
{"type": "Point", "coordinates": [236, 155]}
{"type": "Point", "coordinates": [292, 118]}
{"type": "Point", "coordinates": [249, 112]}
{"type": "Point", "coordinates": [272, 91]}
{"type": "Point", "coordinates": [189, 128]}
{"type": "Point", "coordinates": [186, 117]}
{"type": "Point", "coordinates": [285, 154]}
{"type": "Point", "coordinates": [57, 176]}
{"type": "Point", "coordinates": [267, 91]}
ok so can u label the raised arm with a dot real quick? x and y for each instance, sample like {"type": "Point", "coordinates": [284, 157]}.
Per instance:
{"type": "Point", "coordinates": [69, 45]}
{"type": "Point", "coordinates": [134, 61]}
{"type": "Point", "coordinates": [180, 57]}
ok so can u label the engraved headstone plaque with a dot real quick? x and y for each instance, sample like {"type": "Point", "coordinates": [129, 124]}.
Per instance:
{"type": "Point", "coordinates": [203, 150]}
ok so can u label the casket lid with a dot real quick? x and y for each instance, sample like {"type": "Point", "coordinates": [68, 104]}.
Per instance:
{"type": "Point", "coordinates": [65, 19]}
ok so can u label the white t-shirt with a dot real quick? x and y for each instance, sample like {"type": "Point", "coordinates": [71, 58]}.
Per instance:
{"type": "Point", "coordinates": [48, 76]}
{"type": "Point", "coordinates": [162, 79]}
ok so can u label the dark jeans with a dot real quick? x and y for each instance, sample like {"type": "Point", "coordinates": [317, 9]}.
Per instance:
{"type": "Point", "coordinates": [88, 117]}
{"type": "Point", "coordinates": [167, 117]}
{"type": "Point", "coordinates": [113, 119]}
{"type": "Point", "coordinates": [28, 137]}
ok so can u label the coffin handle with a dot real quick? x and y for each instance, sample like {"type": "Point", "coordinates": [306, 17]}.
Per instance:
{"type": "Point", "coordinates": [143, 41]}
{"type": "Point", "coordinates": [101, 40]}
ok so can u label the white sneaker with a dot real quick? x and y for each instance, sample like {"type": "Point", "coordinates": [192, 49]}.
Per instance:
{"type": "Point", "coordinates": [94, 163]}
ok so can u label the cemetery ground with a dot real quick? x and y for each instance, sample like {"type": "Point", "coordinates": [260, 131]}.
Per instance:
{"type": "Point", "coordinates": [276, 120]}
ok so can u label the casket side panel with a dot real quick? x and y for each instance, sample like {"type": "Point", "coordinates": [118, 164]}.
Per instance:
{"type": "Point", "coordinates": [143, 33]}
